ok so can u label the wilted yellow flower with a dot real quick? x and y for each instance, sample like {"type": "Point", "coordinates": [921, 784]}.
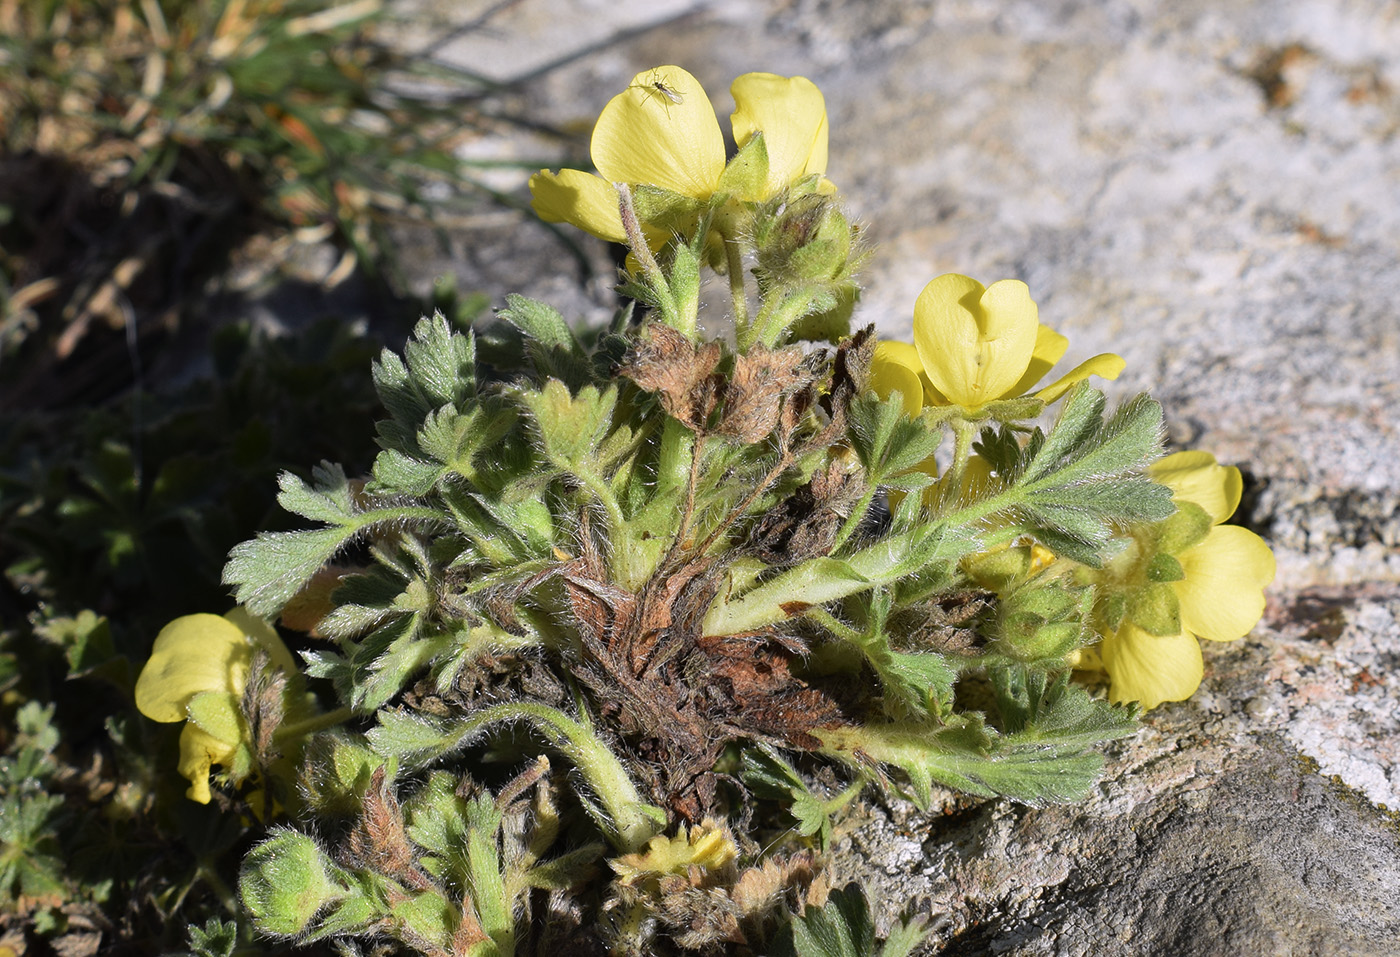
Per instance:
{"type": "Point", "coordinates": [1223, 571]}
{"type": "Point", "coordinates": [661, 131]}
{"type": "Point", "coordinates": [707, 845]}
{"type": "Point", "coordinates": [974, 345]}
{"type": "Point", "coordinates": [196, 673]}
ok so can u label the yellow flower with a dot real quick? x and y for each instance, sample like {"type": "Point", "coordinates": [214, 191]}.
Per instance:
{"type": "Point", "coordinates": [1220, 591]}
{"type": "Point", "coordinates": [197, 672]}
{"type": "Point", "coordinates": [974, 345]}
{"type": "Point", "coordinates": [661, 131]}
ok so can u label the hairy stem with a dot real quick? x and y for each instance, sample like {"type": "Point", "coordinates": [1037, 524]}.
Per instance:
{"type": "Point", "coordinates": [641, 251]}
{"type": "Point", "coordinates": [963, 434]}
{"type": "Point", "coordinates": [738, 293]}
{"type": "Point", "coordinates": [736, 513]}
{"type": "Point", "coordinates": [313, 724]}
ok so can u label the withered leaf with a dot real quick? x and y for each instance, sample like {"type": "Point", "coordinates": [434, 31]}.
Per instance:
{"type": "Point", "coordinates": [682, 376]}
{"type": "Point", "coordinates": [851, 369]}
{"type": "Point", "coordinates": [379, 841]}
{"type": "Point", "coordinates": [805, 523]}
{"type": "Point", "coordinates": [798, 878]}
{"type": "Point", "coordinates": [754, 394]}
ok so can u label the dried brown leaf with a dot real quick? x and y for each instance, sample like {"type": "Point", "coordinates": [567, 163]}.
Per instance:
{"type": "Point", "coordinates": [379, 841]}
{"type": "Point", "coordinates": [682, 375]}
{"type": "Point", "coordinates": [755, 393]}
{"type": "Point", "coordinates": [805, 523]}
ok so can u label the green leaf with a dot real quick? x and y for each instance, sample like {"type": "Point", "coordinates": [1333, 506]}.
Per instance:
{"type": "Point", "coordinates": [919, 681]}
{"type": "Point", "coordinates": [270, 569]}
{"type": "Point", "coordinates": [769, 776]}
{"type": "Point", "coordinates": [438, 368]}
{"type": "Point", "coordinates": [539, 321]}
{"type": "Point", "coordinates": [363, 602]}
{"type": "Point", "coordinates": [397, 472]}
{"type": "Point", "coordinates": [436, 819]}
{"type": "Point", "coordinates": [1037, 706]}
{"type": "Point", "coordinates": [627, 820]}
{"type": "Point", "coordinates": [485, 883]}
{"type": "Point", "coordinates": [842, 927]}
{"type": "Point", "coordinates": [905, 936]}
{"type": "Point", "coordinates": [1071, 487]}
{"type": "Point", "coordinates": [385, 661]}
{"type": "Point", "coordinates": [217, 938]}
{"type": "Point", "coordinates": [553, 349]}
{"type": "Point", "coordinates": [914, 683]}
{"type": "Point", "coordinates": [428, 916]}
{"type": "Point", "coordinates": [887, 441]}
{"type": "Point", "coordinates": [328, 499]}
{"type": "Point", "coordinates": [570, 428]}
{"type": "Point", "coordinates": [1040, 765]}
{"type": "Point", "coordinates": [86, 639]}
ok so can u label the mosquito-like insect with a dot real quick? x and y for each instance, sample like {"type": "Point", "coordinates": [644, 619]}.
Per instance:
{"type": "Point", "coordinates": [655, 84]}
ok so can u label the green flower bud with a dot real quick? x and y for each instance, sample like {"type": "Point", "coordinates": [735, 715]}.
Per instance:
{"type": "Point", "coordinates": [1041, 621]}
{"type": "Point", "coordinates": [286, 881]}
{"type": "Point", "coordinates": [1000, 568]}
{"type": "Point", "coordinates": [337, 771]}
{"type": "Point", "coordinates": [805, 240]}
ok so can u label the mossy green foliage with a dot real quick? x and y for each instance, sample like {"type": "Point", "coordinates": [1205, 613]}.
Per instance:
{"type": "Point", "coordinates": [112, 521]}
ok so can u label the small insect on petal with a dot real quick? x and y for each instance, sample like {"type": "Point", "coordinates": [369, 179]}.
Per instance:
{"type": "Point", "coordinates": [656, 84]}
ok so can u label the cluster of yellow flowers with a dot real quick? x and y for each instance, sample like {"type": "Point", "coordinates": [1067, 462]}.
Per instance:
{"type": "Point", "coordinates": [975, 345]}
{"type": "Point", "coordinates": [660, 134]}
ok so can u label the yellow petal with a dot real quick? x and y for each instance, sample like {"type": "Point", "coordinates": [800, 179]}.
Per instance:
{"type": "Point", "coordinates": [974, 343]}
{"type": "Point", "coordinates": [580, 199]}
{"type": "Point", "coordinates": [791, 113]}
{"type": "Point", "coordinates": [895, 368]}
{"type": "Point", "coordinates": [1106, 365]}
{"type": "Point", "coordinates": [264, 636]}
{"type": "Point", "coordinates": [1151, 669]}
{"type": "Point", "coordinates": [1049, 349]}
{"type": "Point", "coordinates": [192, 654]}
{"type": "Point", "coordinates": [199, 750]}
{"type": "Point", "coordinates": [661, 130]}
{"type": "Point", "coordinates": [1197, 477]}
{"type": "Point", "coordinates": [1222, 593]}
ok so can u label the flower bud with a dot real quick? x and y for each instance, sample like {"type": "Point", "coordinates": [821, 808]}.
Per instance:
{"type": "Point", "coordinates": [286, 881]}
{"type": "Point", "coordinates": [1041, 621]}
{"type": "Point", "coordinates": [337, 770]}
{"type": "Point", "coordinates": [805, 240]}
